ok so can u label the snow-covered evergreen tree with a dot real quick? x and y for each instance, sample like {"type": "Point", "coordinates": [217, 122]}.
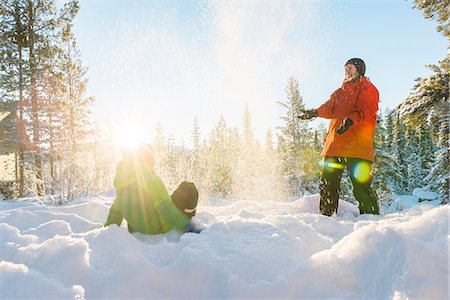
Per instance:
{"type": "Point", "coordinates": [75, 117]}
{"type": "Point", "coordinates": [399, 154]}
{"type": "Point", "coordinates": [426, 147]}
{"type": "Point", "coordinates": [436, 10]}
{"type": "Point", "coordinates": [378, 167]}
{"type": "Point", "coordinates": [222, 151]}
{"type": "Point", "coordinates": [429, 96]}
{"type": "Point", "coordinates": [429, 100]}
{"type": "Point", "coordinates": [171, 163]}
{"type": "Point", "coordinates": [294, 137]}
{"type": "Point", "coordinates": [160, 148]}
{"type": "Point", "coordinates": [387, 142]}
{"type": "Point", "coordinates": [434, 126]}
{"type": "Point", "coordinates": [413, 159]}
{"type": "Point", "coordinates": [439, 177]}
{"type": "Point", "coordinates": [197, 159]}
{"type": "Point", "coordinates": [248, 167]}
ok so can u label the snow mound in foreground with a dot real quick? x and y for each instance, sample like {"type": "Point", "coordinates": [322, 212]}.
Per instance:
{"type": "Point", "coordinates": [250, 250]}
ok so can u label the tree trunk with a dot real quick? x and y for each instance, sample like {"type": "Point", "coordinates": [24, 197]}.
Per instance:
{"type": "Point", "coordinates": [21, 129]}
{"type": "Point", "coordinates": [34, 103]}
{"type": "Point", "coordinates": [21, 40]}
{"type": "Point", "coordinates": [52, 154]}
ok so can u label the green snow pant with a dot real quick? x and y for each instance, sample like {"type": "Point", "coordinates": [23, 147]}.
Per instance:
{"type": "Point", "coordinates": [359, 171]}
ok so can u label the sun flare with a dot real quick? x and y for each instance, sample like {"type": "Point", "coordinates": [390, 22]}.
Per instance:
{"type": "Point", "coordinates": [128, 136]}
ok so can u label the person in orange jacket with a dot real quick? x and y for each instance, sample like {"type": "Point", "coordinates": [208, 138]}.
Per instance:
{"type": "Point", "coordinates": [352, 110]}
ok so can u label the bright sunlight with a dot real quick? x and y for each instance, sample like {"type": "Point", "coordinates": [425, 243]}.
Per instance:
{"type": "Point", "coordinates": [128, 135]}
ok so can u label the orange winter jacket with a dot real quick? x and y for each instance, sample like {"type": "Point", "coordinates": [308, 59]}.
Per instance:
{"type": "Point", "coordinates": [357, 101]}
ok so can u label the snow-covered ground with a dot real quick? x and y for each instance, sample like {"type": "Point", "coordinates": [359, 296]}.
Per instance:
{"type": "Point", "coordinates": [250, 250]}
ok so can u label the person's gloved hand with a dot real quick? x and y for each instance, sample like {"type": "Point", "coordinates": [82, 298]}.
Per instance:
{"type": "Point", "coordinates": [307, 114]}
{"type": "Point", "coordinates": [191, 227]}
{"type": "Point", "coordinates": [344, 126]}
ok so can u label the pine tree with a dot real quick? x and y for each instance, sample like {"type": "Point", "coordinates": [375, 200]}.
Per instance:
{"type": "Point", "coordinates": [171, 164]}
{"type": "Point", "coordinates": [159, 139]}
{"type": "Point", "coordinates": [398, 153]}
{"type": "Point", "coordinates": [429, 100]}
{"type": "Point", "coordinates": [439, 177]}
{"type": "Point", "coordinates": [75, 114]}
{"type": "Point", "coordinates": [268, 143]}
{"type": "Point", "coordinates": [171, 158]}
{"type": "Point", "coordinates": [160, 148]}
{"type": "Point", "coordinates": [384, 169]}
{"type": "Point", "coordinates": [294, 140]}
{"type": "Point", "coordinates": [318, 138]}
{"type": "Point", "coordinates": [387, 143]}
{"type": "Point", "coordinates": [197, 161]}
{"type": "Point", "coordinates": [196, 142]}
{"type": "Point", "coordinates": [434, 129]}
{"type": "Point", "coordinates": [436, 10]}
{"type": "Point", "coordinates": [221, 157]}
{"type": "Point", "coordinates": [13, 71]}
{"type": "Point", "coordinates": [29, 42]}
{"type": "Point", "coordinates": [425, 149]}
{"type": "Point", "coordinates": [380, 132]}
{"type": "Point", "coordinates": [53, 133]}
{"type": "Point", "coordinates": [35, 20]}
{"type": "Point", "coordinates": [413, 159]}
{"type": "Point", "coordinates": [430, 95]}
{"type": "Point", "coordinates": [387, 178]}
{"type": "Point", "coordinates": [378, 167]}
{"type": "Point", "coordinates": [248, 176]}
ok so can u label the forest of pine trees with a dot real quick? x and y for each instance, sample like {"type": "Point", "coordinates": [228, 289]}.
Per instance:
{"type": "Point", "coordinates": [41, 70]}
{"type": "Point", "coordinates": [61, 152]}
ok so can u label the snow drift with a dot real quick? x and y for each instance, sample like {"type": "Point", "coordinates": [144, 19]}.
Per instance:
{"type": "Point", "coordinates": [250, 250]}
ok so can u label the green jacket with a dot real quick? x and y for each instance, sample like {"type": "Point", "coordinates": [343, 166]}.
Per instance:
{"type": "Point", "coordinates": [143, 200]}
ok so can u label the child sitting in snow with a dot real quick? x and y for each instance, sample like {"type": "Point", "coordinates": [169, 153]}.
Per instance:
{"type": "Point", "coordinates": [142, 198]}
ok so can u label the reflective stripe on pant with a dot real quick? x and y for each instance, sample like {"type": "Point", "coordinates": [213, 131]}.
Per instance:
{"type": "Point", "coordinates": [330, 182]}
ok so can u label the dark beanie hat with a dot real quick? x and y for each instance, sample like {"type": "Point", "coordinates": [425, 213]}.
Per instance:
{"type": "Point", "coordinates": [359, 64]}
{"type": "Point", "coordinates": [185, 198]}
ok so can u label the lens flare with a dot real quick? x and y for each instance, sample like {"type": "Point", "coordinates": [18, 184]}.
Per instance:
{"type": "Point", "coordinates": [332, 165]}
{"type": "Point", "coordinates": [361, 172]}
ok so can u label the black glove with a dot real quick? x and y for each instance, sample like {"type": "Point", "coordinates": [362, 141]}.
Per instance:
{"type": "Point", "coordinates": [344, 126]}
{"type": "Point", "coordinates": [307, 114]}
{"type": "Point", "coordinates": [191, 227]}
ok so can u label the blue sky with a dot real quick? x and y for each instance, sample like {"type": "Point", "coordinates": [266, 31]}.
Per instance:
{"type": "Point", "coordinates": [171, 61]}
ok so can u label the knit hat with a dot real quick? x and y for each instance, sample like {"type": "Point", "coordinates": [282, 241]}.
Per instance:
{"type": "Point", "coordinates": [185, 197]}
{"type": "Point", "coordinates": [359, 64]}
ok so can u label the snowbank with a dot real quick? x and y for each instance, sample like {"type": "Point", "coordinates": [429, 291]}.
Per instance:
{"type": "Point", "coordinates": [424, 195]}
{"type": "Point", "coordinates": [250, 250]}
